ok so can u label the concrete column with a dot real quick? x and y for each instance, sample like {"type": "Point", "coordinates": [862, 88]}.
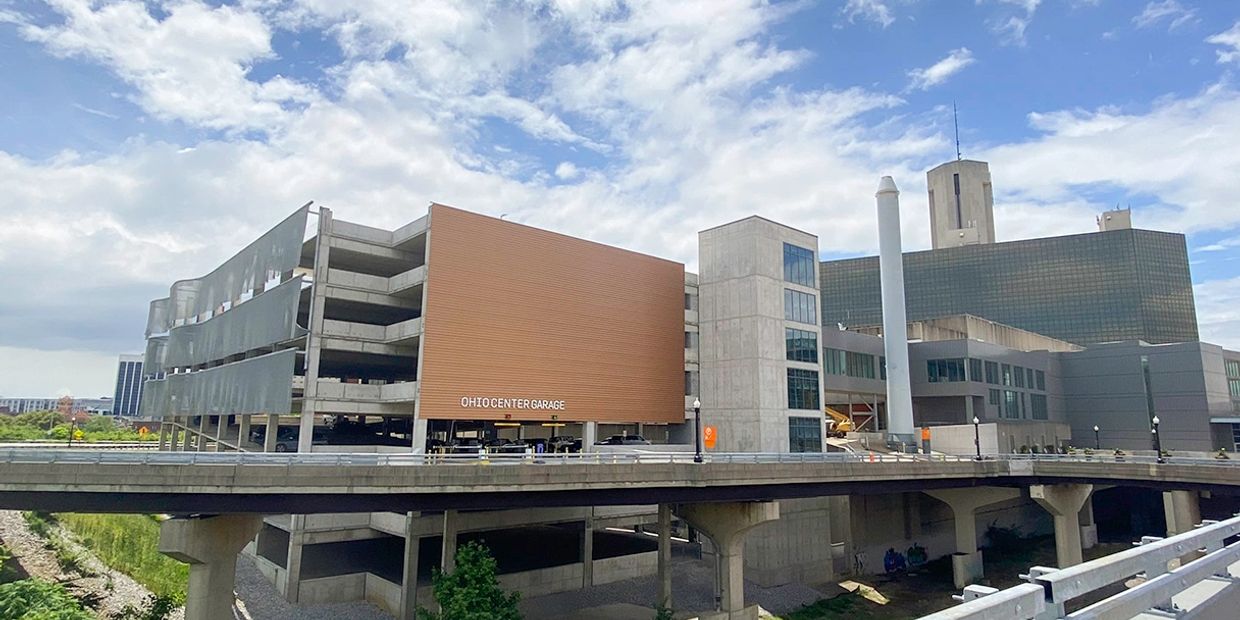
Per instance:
{"type": "Point", "coordinates": [587, 550]}
{"type": "Point", "coordinates": [243, 429]}
{"type": "Point", "coordinates": [967, 562]}
{"type": "Point", "coordinates": [210, 547]}
{"type": "Point", "coordinates": [163, 435]}
{"type": "Point", "coordinates": [726, 523]}
{"type": "Point", "coordinates": [418, 442]}
{"type": "Point", "coordinates": [1064, 502]}
{"type": "Point", "coordinates": [318, 301]}
{"type": "Point", "coordinates": [296, 540]}
{"type": "Point", "coordinates": [1183, 511]}
{"type": "Point", "coordinates": [174, 435]}
{"type": "Point", "coordinates": [273, 428]}
{"type": "Point", "coordinates": [447, 558]}
{"type": "Point", "coordinates": [221, 425]}
{"type": "Point", "coordinates": [187, 436]}
{"type": "Point", "coordinates": [664, 599]}
{"type": "Point", "coordinates": [589, 435]}
{"type": "Point", "coordinates": [409, 574]}
{"type": "Point", "coordinates": [202, 433]}
{"type": "Point", "coordinates": [1089, 529]}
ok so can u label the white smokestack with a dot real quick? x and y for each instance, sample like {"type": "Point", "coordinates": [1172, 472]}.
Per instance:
{"type": "Point", "coordinates": [895, 330]}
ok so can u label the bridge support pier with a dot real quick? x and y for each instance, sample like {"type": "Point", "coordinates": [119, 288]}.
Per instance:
{"type": "Point", "coordinates": [726, 523]}
{"type": "Point", "coordinates": [273, 429]}
{"type": "Point", "coordinates": [1089, 527]}
{"type": "Point", "coordinates": [243, 429]}
{"type": "Point", "coordinates": [186, 435]}
{"type": "Point", "coordinates": [664, 599]}
{"type": "Point", "coordinates": [447, 559]}
{"type": "Point", "coordinates": [967, 567]}
{"type": "Point", "coordinates": [202, 433]}
{"type": "Point", "coordinates": [1064, 502]}
{"type": "Point", "coordinates": [1183, 511]}
{"type": "Point", "coordinates": [210, 546]}
{"type": "Point", "coordinates": [163, 436]}
{"type": "Point", "coordinates": [587, 549]}
{"type": "Point", "coordinates": [174, 434]}
{"type": "Point", "coordinates": [409, 574]}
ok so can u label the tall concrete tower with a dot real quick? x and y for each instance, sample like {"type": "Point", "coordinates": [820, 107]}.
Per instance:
{"type": "Point", "coordinates": [962, 205]}
{"type": "Point", "coordinates": [895, 325]}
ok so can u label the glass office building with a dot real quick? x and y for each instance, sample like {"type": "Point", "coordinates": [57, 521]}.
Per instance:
{"type": "Point", "coordinates": [1088, 288]}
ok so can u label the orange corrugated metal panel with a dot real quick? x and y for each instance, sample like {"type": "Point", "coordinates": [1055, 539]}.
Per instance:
{"type": "Point", "coordinates": [514, 312]}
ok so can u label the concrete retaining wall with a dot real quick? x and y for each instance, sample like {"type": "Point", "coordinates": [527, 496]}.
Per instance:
{"type": "Point", "coordinates": [624, 567]}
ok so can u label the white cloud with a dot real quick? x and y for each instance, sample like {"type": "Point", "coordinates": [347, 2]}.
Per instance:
{"type": "Point", "coordinates": [873, 10]}
{"type": "Point", "coordinates": [191, 66]}
{"type": "Point", "coordinates": [1228, 39]}
{"type": "Point", "coordinates": [1170, 11]}
{"type": "Point", "coordinates": [677, 96]}
{"type": "Point", "coordinates": [566, 171]}
{"type": "Point", "coordinates": [1218, 311]}
{"type": "Point", "coordinates": [1011, 28]}
{"type": "Point", "coordinates": [936, 74]}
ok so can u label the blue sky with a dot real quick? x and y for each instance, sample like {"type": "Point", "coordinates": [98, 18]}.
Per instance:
{"type": "Point", "coordinates": [145, 142]}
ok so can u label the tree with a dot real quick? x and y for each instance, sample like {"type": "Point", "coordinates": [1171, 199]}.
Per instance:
{"type": "Point", "coordinates": [472, 592]}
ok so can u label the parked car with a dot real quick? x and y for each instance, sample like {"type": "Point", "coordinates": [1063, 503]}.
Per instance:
{"type": "Point", "coordinates": [564, 443]}
{"type": "Point", "coordinates": [467, 445]}
{"type": "Point", "coordinates": [624, 440]}
{"type": "Point", "coordinates": [506, 446]}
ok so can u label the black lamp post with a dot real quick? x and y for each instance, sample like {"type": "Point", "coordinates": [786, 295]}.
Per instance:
{"type": "Point", "coordinates": [1097, 442]}
{"type": "Point", "coordinates": [1157, 440]}
{"type": "Point", "coordinates": [697, 430]}
{"type": "Point", "coordinates": [977, 438]}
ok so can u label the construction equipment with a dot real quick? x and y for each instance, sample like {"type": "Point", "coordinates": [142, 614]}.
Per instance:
{"type": "Point", "coordinates": [839, 425]}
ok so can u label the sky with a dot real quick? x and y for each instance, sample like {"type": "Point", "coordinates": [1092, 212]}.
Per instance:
{"type": "Point", "coordinates": [144, 142]}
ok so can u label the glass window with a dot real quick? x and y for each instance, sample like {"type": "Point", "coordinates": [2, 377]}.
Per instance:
{"type": "Point", "coordinates": [800, 307]}
{"type": "Point", "coordinates": [691, 383]}
{"type": "Point", "coordinates": [802, 389]}
{"type": "Point", "coordinates": [975, 370]}
{"type": "Point", "coordinates": [804, 435]}
{"type": "Point", "coordinates": [1041, 380]}
{"type": "Point", "coordinates": [691, 339]}
{"type": "Point", "coordinates": [994, 396]}
{"type": "Point", "coordinates": [1037, 405]}
{"type": "Point", "coordinates": [835, 361]}
{"type": "Point", "coordinates": [1007, 374]}
{"type": "Point", "coordinates": [860, 365]}
{"type": "Point", "coordinates": [992, 373]}
{"type": "Point", "coordinates": [1029, 378]}
{"type": "Point", "coordinates": [801, 345]}
{"type": "Point", "coordinates": [1233, 385]}
{"type": "Point", "coordinates": [1233, 368]}
{"type": "Point", "coordinates": [1018, 374]}
{"type": "Point", "coordinates": [799, 265]}
{"type": "Point", "coordinates": [1011, 404]}
{"type": "Point", "coordinates": [882, 367]}
{"type": "Point", "coordinates": [690, 301]}
{"type": "Point", "coordinates": [945, 371]}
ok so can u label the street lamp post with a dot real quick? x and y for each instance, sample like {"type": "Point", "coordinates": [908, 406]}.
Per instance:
{"type": "Point", "coordinates": [1097, 441]}
{"type": "Point", "coordinates": [697, 430]}
{"type": "Point", "coordinates": [1157, 440]}
{"type": "Point", "coordinates": [977, 438]}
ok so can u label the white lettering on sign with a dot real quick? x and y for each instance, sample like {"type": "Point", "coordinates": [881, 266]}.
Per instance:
{"type": "Point", "coordinates": [488, 402]}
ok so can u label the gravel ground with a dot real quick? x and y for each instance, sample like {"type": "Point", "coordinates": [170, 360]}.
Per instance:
{"type": "Point", "coordinates": [260, 601]}
{"type": "Point", "coordinates": [692, 589]}
{"type": "Point", "coordinates": [112, 590]}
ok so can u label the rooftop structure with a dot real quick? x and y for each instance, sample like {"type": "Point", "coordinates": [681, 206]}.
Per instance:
{"type": "Point", "coordinates": [962, 204]}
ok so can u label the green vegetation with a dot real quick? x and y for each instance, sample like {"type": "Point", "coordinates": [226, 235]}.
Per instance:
{"type": "Point", "coordinates": [130, 544]}
{"type": "Point", "coordinates": [156, 608]}
{"type": "Point", "coordinates": [472, 592]}
{"type": "Point", "coordinates": [843, 606]}
{"type": "Point", "coordinates": [51, 426]}
{"type": "Point", "coordinates": [8, 571]}
{"type": "Point", "coordinates": [44, 526]}
{"type": "Point", "coordinates": [35, 599]}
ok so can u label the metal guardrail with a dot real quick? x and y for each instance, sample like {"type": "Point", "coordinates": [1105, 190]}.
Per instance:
{"type": "Point", "coordinates": [1049, 589]}
{"type": "Point", "coordinates": [43, 455]}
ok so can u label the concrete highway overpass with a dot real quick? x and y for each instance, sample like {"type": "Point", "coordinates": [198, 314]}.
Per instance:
{"type": "Point", "coordinates": [225, 494]}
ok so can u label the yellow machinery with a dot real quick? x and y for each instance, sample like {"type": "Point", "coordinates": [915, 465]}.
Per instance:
{"type": "Point", "coordinates": [840, 423]}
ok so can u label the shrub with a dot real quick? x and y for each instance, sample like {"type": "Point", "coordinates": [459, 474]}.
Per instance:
{"type": "Point", "coordinates": [662, 613]}
{"type": "Point", "coordinates": [130, 544]}
{"type": "Point", "coordinates": [35, 599]}
{"type": "Point", "coordinates": [472, 592]}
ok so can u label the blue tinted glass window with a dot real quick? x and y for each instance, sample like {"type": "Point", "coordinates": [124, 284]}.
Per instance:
{"type": "Point", "coordinates": [799, 265]}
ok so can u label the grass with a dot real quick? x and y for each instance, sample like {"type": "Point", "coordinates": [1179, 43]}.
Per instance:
{"type": "Point", "coordinates": [130, 544]}
{"type": "Point", "coordinates": [844, 606]}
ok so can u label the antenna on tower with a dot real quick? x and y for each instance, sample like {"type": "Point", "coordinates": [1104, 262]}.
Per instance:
{"type": "Point", "coordinates": [956, 123]}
